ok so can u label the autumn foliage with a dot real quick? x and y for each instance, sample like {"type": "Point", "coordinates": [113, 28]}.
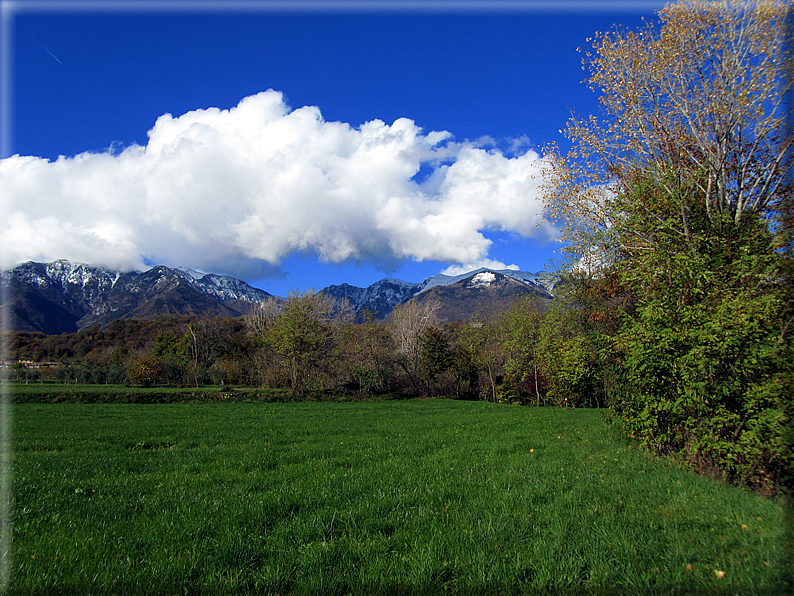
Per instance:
{"type": "Point", "coordinates": [675, 206]}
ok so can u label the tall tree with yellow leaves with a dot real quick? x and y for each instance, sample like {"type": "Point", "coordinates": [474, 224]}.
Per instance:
{"type": "Point", "coordinates": [697, 105]}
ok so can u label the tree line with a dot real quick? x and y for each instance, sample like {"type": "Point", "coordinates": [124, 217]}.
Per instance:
{"type": "Point", "coordinates": [309, 343]}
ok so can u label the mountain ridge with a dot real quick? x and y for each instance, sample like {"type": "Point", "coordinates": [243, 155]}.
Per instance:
{"type": "Point", "coordinates": [381, 297]}
{"type": "Point", "coordinates": [481, 294]}
{"type": "Point", "coordinates": [61, 296]}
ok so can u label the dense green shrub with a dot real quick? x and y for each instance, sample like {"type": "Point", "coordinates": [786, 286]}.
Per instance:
{"type": "Point", "coordinates": [706, 355]}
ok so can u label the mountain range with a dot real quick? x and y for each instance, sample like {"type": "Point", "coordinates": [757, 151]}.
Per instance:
{"type": "Point", "coordinates": [63, 297]}
{"type": "Point", "coordinates": [459, 296]}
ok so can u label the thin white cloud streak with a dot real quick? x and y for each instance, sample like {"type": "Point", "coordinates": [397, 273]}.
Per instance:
{"type": "Point", "coordinates": [226, 190]}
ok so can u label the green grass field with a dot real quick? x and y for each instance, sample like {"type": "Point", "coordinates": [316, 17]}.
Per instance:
{"type": "Point", "coordinates": [58, 393]}
{"type": "Point", "coordinates": [393, 497]}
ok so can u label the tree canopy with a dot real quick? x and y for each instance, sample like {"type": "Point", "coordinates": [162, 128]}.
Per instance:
{"type": "Point", "coordinates": [697, 106]}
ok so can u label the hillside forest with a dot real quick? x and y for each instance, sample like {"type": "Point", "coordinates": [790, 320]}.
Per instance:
{"type": "Point", "coordinates": [675, 308]}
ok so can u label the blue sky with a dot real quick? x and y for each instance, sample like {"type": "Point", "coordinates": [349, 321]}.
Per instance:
{"type": "Point", "coordinates": [353, 191]}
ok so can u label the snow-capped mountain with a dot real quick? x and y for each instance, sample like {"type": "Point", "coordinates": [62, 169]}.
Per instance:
{"type": "Point", "coordinates": [542, 279]}
{"type": "Point", "coordinates": [61, 297]}
{"type": "Point", "coordinates": [482, 294]}
{"type": "Point", "coordinates": [381, 297]}
{"type": "Point", "coordinates": [223, 287]}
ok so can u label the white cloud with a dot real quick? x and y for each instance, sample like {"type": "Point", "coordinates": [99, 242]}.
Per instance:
{"type": "Point", "coordinates": [482, 264]}
{"type": "Point", "coordinates": [233, 190]}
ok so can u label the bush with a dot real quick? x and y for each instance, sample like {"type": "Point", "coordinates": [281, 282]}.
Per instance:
{"type": "Point", "coordinates": [145, 371]}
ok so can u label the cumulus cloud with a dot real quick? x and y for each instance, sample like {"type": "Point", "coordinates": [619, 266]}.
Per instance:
{"type": "Point", "coordinates": [238, 190]}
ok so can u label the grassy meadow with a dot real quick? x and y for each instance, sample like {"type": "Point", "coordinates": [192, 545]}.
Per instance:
{"type": "Point", "coordinates": [392, 497]}
{"type": "Point", "coordinates": [59, 393]}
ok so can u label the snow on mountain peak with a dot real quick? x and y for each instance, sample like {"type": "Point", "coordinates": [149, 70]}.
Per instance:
{"type": "Point", "coordinates": [485, 278]}
{"type": "Point", "coordinates": [192, 272]}
{"type": "Point", "coordinates": [522, 276]}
